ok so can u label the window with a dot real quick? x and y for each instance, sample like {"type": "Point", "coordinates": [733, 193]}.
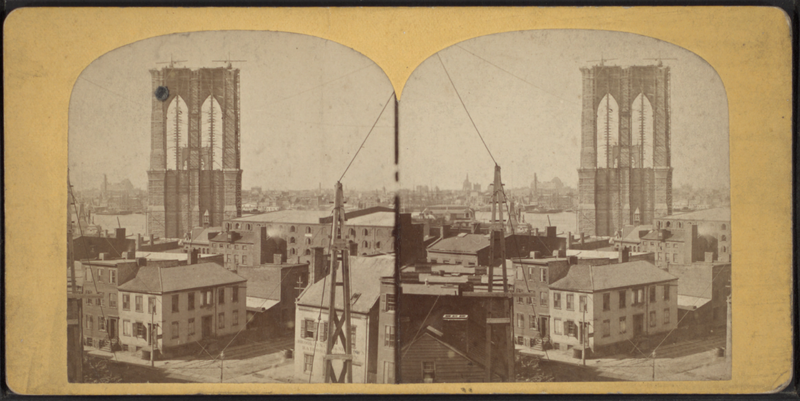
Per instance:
{"type": "Point", "coordinates": [532, 320]}
{"type": "Point", "coordinates": [221, 320]}
{"type": "Point", "coordinates": [102, 300]}
{"type": "Point", "coordinates": [366, 245]}
{"type": "Point", "coordinates": [308, 230]}
{"type": "Point", "coordinates": [101, 324]}
{"type": "Point", "coordinates": [571, 329]}
{"type": "Point", "coordinates": [228, 258]}
{"type": "Point", "coordinates": [235, 318]}
{"type": "Point", "coordinates": [389, 304]}
{"type": "Point", "coordinates": [308, 329]}
{"type": "Point", "coordinates": [89, 341]}
{"type": "Point", "coordinates": [519, 299]}
{"type": "Point", "coordinates": [557, 326]}
{"type": "Point", "coordinates": [175, 330]}
{"type": "Point", "coordinates": [543, 274]}
{"type": "Point", "coordinates": [388, 336]}
{"type": "Point", "coordinates": [520, 340]}
{"type": "Point", "coordinates": [221, 296]}
{"type": "Point", "coordinates": [623, 325]}
{"type": "Point", "coordinates": [88, 275]}
{"type": "Point", "coordinates": [191, 326]}
{"type": "Point", "coordinates": [378, 245]}
{"type": "Point", "coordinates": [151, 305]}
{"type": "Point", "coordinates": [323, 331]}
{"type": "Point", "coordinates": [652, 293]}
{"type": "Point", "coordinates": [140, 330]}
{"type": "Point", "coordinates": [724, 226]}
{"type": "Point", "coordinates": [126, 327]}
{"type": "Point", "coordinates": [292, 251]}
{"type": "Point", "coordinates": [190, 303]}
{"type": "Point", "coordinates": [607, 301]}
{"type": "Point", "coordinates": [236, 259]}
{"type": "Point", "coordinates": [666, 292]}
{"type": "Point", "coordinates": [653, 318]}
{"type": "Point", "coordinates": [352, 337]}
{"type": "Point", "coordinates": [529, 300]}
{"type": "Point", "coordinates": [292, 229]}
{"type": "Point", "coordinates": [112, 276]}
{"type": "Point", "coordinates": [582, 301]}
{"type": "Point", "coordinates": [666, 316]}
{"type": "Point", "coordinates": [307, 252]}
{"type": "Point", "coordinates": [89, 300]}
{"type": "Point", "coordinates": [112, 299]}
{"type": "Point", "coordinates": [570, 301]}
{"type": "Point", "coordinates": [674, 258]}
{"type": "Point", "coordinates": [557, 300]}
{"type": "Point", "coordinates": [308, 363]}
{"type": "Point", "coordinates": [543, 298]}
{"type": "Point", "coordinates": [244, 259]}
{"type": "Point", "coordinates": [292, 240]}
{"type": "Point", "coordinates": [352, 232]}
{"type": "Point", "coordinates": [606, 328]}
{"type": "Point", "coordinates": [366, 232]}
{"type": "Point", "coordinates": [520, 320]}
{"type": "Point", "coordinates": [308, 241]}
{"type": "Point", "coordinates": [622, 295]}
{"type": "Point", "coordinates": [428, 372]}
{"type": "Point", "coordinates": [235, 294]}
{"type": "Point", "coordinates": [138, 303]}
{"type": "Point", "coordinates": [638, 296]}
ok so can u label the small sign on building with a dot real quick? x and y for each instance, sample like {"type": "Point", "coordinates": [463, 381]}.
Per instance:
{"type": "Point", "coordinates": [453, 317]}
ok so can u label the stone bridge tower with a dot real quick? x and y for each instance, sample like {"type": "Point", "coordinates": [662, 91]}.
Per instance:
{"type": "Point", "coordinates": [195, 149]}
{"type": "Point", "coordinates": [625, 174]}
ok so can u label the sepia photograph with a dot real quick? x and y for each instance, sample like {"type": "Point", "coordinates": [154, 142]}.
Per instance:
{"type": "Point", "coordinates": [581, 230]}
{"type": "Point", "coordinates": [223, 187]}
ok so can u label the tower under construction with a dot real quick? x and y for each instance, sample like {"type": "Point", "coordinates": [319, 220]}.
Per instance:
{"type": "Point", "coordinates": [195, 149]}
{"type": "Point", "coordinates": [625, 174]}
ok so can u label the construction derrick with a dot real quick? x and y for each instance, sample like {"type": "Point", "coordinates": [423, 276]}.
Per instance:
{"type": "Point", "coordinates": [339, 325]}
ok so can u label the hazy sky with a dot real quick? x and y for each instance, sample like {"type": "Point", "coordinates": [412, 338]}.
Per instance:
{"type": "Point", "coordinates": [307, 104]}
{"type": "Point", "coordinates": [523, 91]}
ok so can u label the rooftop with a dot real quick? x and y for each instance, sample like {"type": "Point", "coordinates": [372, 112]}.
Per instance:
{"type": "Point", "coordinates": [265, 281]}
{"type": "Point", "coordinates": [286, 216]}
{"type": "Point", "coordinates": [238, 237]}
{"type": "Point", "coordinates": [365, 289]}
{"type": "Point", "coordinates": [180, 278]}
{"type": "Point", "coordinates": [715, 214]}
{"type": "Point", "coordinates": [667, 235]}
{"type": "Point", "coordinates": [468, 243]}
{"type": "Point", "coordinates": [587, 278]}
{"type": "Point", "coordinates": [385, 219]}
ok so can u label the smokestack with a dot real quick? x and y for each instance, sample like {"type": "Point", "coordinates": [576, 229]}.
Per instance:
{"type": "Point", "coordinates": [152, 239]}
{"type": "Point", "coordinates": [551, 231]}
{"type": "Point", "coordinates": [194, 256]}
{"type": "Point", "coordinates": [138, 242]}
{"type": "Point", "coordinates": [583, 238]}
{"type": "Point", "coordinates": [316, 270]}
{"type": "Point", "coordinates": [624, 254]}
{"type": "Point", "coordinates": [569, 240]}
{"type": "Point", "coordinates": [141, 262]}
{"type": "Point", "coordinates": [573, 260]}
{"type": "Point", "coordinates": [120, 233]}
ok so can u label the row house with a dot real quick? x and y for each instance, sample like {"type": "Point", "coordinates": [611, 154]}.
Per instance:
{"type": "Point", "coordinates": [601, 309]}
{"type": "Point", "coordinates": [168, 309]}
{"type": "Point", "coordinates": [532, 314]}
{"type": "Point", "coordinates": [311, 321]}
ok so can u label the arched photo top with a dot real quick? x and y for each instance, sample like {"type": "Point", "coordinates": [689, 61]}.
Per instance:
{"type": "Point", "coordinates": [305, 105]}
{"type": "Point", "coordinates": [524, 93]}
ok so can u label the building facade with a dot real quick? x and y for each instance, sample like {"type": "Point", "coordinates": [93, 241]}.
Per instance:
{"type": "Point", "coordinates": [195, 149]}
{"type": "Point", "coordinates": [625, 174]}
{"type": "Point", "coordinates": [714, 223]}
{"type": "Point", "coordinates": [387, 332]}
{"type": "Point", "coordinates": [601, 308]}
{"type": "Point", "coordinates": [532, 314]}
{"type": "Point", "coordinates": [167, 310]}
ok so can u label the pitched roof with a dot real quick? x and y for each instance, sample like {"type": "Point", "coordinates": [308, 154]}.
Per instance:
{"type": "Point", "coordinates": [715, 214]}
{"type": "Point", "coordinates": [265, 281]}
{"type": "Point", "coordinates": [668, 235]}
{"type": "Point", "coordinates": [588, 278]}
{"type": "Point", "coordinates": [463, 244]}
{"type": "Point", "coordinates": [180, 278]}
{"type": "Point", "coordinates": [385, 219]}
{"type": "Point", "coordinates": [200, 234]}
{"type": "Point", "coordinates": [287, 216]}
{"type": "Point", "coordinates": [236, 237]}
{"type": "Point", "coordinates": [365, 279]}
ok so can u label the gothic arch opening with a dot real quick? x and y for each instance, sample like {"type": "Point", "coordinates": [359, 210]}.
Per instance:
{"type": "Point", "coordinates": [641, 132]}
{"type": "Point", "coordinates": [607, 132]}
{"type": "Point", "coordinates": [211, 134]}
{"type": "Point", "coordinates": [177, 134]}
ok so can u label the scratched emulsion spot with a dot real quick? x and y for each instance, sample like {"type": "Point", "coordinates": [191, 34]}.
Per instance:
{"type": "Point", "coordinates": [162, 93]}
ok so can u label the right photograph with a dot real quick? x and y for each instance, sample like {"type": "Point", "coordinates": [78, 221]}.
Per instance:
{"type": "Point", "coordinates": [572, 188]}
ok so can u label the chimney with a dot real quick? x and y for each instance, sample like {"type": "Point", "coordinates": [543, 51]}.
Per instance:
{"type": "Point", "coordinates": [709, 257]}
{"type": "Point", "coordinates": [559, 253]}
{"type": "Point", "coordinates": [536, 231]}
{"type": "Point", "coordinates": [141, 262]}
{"type": "Point", "coordinates": [536, 254]}
{"type": "Point", "coordinates": [152, 240]}
{"type": "Point", "coordinates": [106, 233]}
{"type": "Point", "coordinates": [120, 233]}
{"type": "Point", "coordinates": [624, 254]}
{"type": "Point", "coordinates": [129, 255]}
{"type": "Point", "coordinates": [194, 256]}
{"type": "Point", "coordinates": [138, 242]}
{"type": "Point", "coordinates": [551, 231]}
{"type": "Point", "coordinates": [316, 270]}
{"type": "Point", "coordinates": [583, 238]}
{"type": "Point", "coordinates": [569, 240]}
{"type": "Point", "coordinates": [573, 260]}
{"type": "Point", "coordinates": [103, 256]}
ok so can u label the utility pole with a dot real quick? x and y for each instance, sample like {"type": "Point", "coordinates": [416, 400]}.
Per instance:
{"type": "Point", "coordinates": [654, 365]}
{"type": "Point", "coordinates": [152, 334]}
{"type": "Point", "coordinates": [339, 327]}
{"type": "Point", "coordinates": [221, 365]}
{"type": "Point", "coordinates": [583, 335]}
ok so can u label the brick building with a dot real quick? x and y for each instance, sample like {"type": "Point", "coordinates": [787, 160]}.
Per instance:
{"type": "Point", "coordinates": [271, 293]}
{"type": "Point", "coordinates": [609, 305]}
{"type": "Point", "coordinates": [248, 247]}
{"type": "Point", "coordinates": [179, 306]}
{"type": "Point", "coordinates": [387, 331]}
{"type": "Point", "coordinates": [714, 223]}
{"type": "Point", "coordinates": [532, 314]}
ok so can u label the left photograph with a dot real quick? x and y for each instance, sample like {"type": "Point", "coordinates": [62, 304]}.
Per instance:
{"type": "Point", "coordinates": [232, 213]}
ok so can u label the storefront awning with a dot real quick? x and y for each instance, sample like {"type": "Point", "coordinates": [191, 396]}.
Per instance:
{"type": "Point", "coordinates": [260, 304]}
{"type": "Point", "coordinates": [688, 302]}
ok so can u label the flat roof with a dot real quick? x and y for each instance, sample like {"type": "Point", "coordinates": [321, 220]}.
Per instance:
{"type": "Point", "coordinates": [714, 214]}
